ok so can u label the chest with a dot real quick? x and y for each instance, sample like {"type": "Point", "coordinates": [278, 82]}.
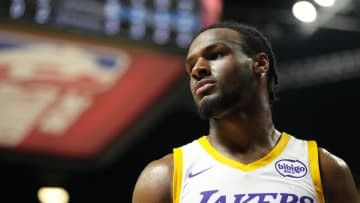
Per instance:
{"type": "Point", "coordinates": [217, 183]}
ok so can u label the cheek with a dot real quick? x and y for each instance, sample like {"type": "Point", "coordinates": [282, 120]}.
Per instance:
{"type": "Point", "coordinates": [236, 76]}
{"type": "Point", "coordinates": [226, 71]}
{"type": "Point", "coordinates": [191, 86]}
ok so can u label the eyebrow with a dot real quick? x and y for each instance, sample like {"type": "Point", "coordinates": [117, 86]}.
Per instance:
{"type": "Point", "coordinates": [191, 57]}
{"type": "Point", "coordinates": [209, 47]}
{"type": "Point", "coordinates": [215, 44]}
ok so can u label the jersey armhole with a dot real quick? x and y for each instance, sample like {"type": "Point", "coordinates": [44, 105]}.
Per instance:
{"type": "Point", "coordinates": [315, 169]}
{"type": "Point", "coordinates": [177, 174]}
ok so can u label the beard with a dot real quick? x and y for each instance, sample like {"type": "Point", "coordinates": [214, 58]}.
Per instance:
{"type": "Point", "coordinates": [212, 106]}
{"type": "Point", "coordinates": [233, 94]}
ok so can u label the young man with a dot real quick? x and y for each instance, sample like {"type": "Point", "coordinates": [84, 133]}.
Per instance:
{"type": "Point", "coordinates": [243, 159]}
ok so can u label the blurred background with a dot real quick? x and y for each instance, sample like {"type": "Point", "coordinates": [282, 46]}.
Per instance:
{"type": "Point", "coordinates": [93, 90]}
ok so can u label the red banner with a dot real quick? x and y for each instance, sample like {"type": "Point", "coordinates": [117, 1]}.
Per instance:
{"type": "Point", "coordinates": [68, 98]}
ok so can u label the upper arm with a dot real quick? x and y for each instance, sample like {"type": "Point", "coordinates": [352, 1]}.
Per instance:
{"type": "Point", "coordinates": [154, 184]}
{"type": "Point", "coordinates": [337, 180]}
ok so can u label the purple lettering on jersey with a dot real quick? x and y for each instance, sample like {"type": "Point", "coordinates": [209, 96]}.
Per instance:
{"type": "Point", "coordinates": [291, 168]}
{"type": "Point", "coordinates": [212, 196]}
{"type": "Point", "coordinates": [221, 199]}
{"type": "Point", "coordinates": [288, 198]}
{"type": "Point", "coordinates": [238, 197]}
{"type": "Point", "coordinates": [206, 195]}
{"type": "Point", "coordinates": [261, 196]}
{"type": "Point", "coordinates": [306, 199]}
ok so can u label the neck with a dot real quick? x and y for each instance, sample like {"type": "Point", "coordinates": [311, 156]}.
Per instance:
{"type": "Point", "coordinates": [242, 131]}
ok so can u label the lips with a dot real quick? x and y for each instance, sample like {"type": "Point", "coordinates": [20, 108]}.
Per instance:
{"type": "Point", "coordinates": [203, 86]}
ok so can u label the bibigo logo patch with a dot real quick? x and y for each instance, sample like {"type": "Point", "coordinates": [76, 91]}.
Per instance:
{"type": "Point", "coordinates": [291, 168]}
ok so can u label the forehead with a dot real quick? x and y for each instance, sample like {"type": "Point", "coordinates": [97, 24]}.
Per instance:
{"type": "Point", "coordinates": [213, 36]}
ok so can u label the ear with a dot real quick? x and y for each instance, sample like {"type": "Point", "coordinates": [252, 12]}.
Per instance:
{"type": "Point", "coordinates": [261, 64]}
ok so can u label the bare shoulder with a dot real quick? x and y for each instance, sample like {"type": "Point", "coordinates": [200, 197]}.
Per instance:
{"type": "Point", "coordinates": [155, 182]}
{"type": "Point", "coordinates": [337, 179]}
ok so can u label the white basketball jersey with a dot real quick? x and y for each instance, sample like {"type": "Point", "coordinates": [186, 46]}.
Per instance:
{"type": "Point", "coordinates": [289, 173]}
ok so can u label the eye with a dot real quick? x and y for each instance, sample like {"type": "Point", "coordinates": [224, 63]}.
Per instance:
{"type": "Point", "coordinates": [216, 55]}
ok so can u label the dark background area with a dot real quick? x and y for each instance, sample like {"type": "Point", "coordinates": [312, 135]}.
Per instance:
{"type": "Point", "coordinates": [325, 109]}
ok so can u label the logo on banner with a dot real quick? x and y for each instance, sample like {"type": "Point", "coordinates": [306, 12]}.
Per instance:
{"type": "Point", "coordinates": [48, 85]}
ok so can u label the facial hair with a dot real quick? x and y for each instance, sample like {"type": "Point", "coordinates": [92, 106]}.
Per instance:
{"type": "Point", "coordinates": [216, 104]}
{"type": "Point", "coordinates": [226, 99]}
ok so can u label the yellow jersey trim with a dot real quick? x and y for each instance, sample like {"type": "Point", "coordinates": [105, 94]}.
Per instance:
{"type": "Point", "coordinates": [314, 169]}
{"type": "Point", "coordinates": [275, 152]}
{"type": "Point", "coordinates": [177, 174]}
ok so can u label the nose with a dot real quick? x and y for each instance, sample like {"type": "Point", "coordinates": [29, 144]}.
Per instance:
{"type": "Point", "coordinates": [200, 70]}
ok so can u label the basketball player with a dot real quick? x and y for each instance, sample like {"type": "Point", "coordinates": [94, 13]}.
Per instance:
{"type": "Point", "coordinates": [244, 158]}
